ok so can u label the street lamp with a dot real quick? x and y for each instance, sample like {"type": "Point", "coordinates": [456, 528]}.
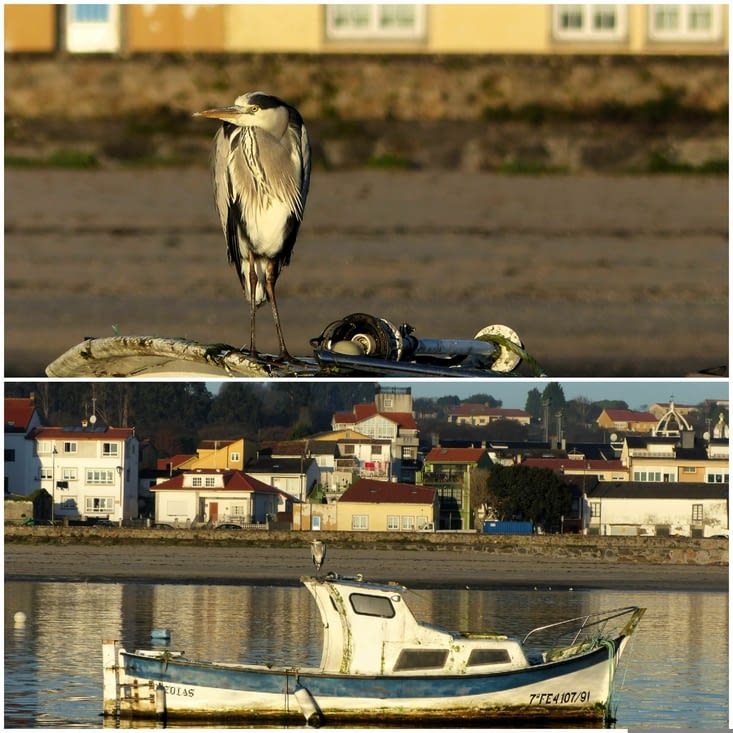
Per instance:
{"type": "Point", "coordinates": [53, 483]}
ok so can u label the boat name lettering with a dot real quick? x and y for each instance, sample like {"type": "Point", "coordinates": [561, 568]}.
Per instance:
{"type": "Point", "coordinates": [559, 698]}
{"type": "Point", "coordinates": [179, 691]}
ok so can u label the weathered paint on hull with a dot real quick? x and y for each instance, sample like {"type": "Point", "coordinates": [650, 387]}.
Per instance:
{"type": "Point", "coordinates": [576, 688]}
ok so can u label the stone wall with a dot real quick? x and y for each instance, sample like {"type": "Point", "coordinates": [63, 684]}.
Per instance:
{"type": "Point", "coordinates": [657, 550]}
{"type": "Point", "coordinates": [573, 113]}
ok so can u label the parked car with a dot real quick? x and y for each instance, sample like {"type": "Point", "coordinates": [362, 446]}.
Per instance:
{"type": "Point", "coordinates": [162, 525]}
{"type": "Point", "coordinates": [228, 525]}
{"type": "Point", "coordinates": [105, 523]}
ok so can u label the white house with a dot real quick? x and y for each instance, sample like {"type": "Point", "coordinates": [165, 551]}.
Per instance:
{"type": "Point", "coordinates": [217, 495]}
{"type": "Point", "coordinates": [90, 471]}
{"type": "Point", "coordinates": [21, 471]}
{"type": "Point", "coordinates": [294, 476]}
{"type": "Point", "coordinates": [659, 508]}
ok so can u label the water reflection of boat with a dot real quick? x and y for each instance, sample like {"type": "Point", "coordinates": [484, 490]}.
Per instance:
{"type": "Point", "coordinates": [380, 664]}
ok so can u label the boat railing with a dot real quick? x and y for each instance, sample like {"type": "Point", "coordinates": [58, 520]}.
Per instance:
{"type": "Point", "coordinates": [572, 631]}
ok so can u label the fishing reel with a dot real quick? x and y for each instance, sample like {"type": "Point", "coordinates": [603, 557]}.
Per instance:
{"type": "Point", "coordinates": [359, 339]}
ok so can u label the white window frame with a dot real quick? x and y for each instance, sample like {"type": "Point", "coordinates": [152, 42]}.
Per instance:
{"type": "Point", "coordinates": [86, 33]}
{"type": "Point", "coordinates": [46, 473]}
{"type": "Point", "coordinates": [374, 28]}
{"type": "Point", "coordinates": [100, 476]}
{"type": "Point", "coordinates": [69, 474]}
{"type": "Point", "coordinates": [104, 504]}
{"type": "Point", "coordinates": [197, 482]}
{"type": "Point", "coordinates": [210, 482]}
{"type": "Point", "coordinates": [684, 32]}
{"type": "Point", "coordinates": [393, 523]}
{"type": "Point", "coordinates": [234, 457]}
{"type": "Point", "coordinates": [70, 446]}
{"type": "Point", "coordinates": [110, 450]}
{"type": "Point", "coordinates": [408, 523]}
{"type": "Point", "coordinates": [586, 31]}
{"type": "Point", "coordinates": [359, 522]}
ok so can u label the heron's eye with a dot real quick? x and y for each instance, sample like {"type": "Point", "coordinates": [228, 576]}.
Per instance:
{"type": "Point", "coordinates": [255, 107]}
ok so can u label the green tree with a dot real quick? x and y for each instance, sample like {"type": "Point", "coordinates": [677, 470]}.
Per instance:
{"type": "Point", "coordinates": [533, 405]}
{"type": "Point", "coordinates": [525, 493]}
{"type": "Point", "coordinates": [482, 398]}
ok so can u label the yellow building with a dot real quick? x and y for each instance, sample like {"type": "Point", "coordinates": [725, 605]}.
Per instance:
{"type": "Point", "coordinates": [221, 454]}
{"type": "Point", "coordinates": [383, 506]}
{"type": "Point", "coordinates": [369, 28]}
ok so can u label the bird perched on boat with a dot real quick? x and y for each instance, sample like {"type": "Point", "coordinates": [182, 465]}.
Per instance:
{"type": "Point", "coordinates": [318, 553]}
{"type": "Point", "coordinates": [261, 165]}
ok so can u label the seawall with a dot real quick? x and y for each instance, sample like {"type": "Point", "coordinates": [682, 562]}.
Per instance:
{"type": "Point", "coordinates": [627, 550]}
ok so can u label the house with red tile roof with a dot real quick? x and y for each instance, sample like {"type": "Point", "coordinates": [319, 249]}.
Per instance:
{"type": "Point", "coordinates": [449, 470]}
{"type": "Point", "coordinates": [91, 471]}
{"type": "Point", "coordinates": [386, 506]}
{"type": "Point", "coordinates": [386, 419]}
{"type": "Point", "coordinates": [21, 469]}
{"type": "Point", "coordinates": [473, 413]}
{"type": "Point", "coordinates": [213, 496]}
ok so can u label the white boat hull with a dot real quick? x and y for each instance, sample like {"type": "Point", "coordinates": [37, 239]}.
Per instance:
{"type": "Point", "coordinates": [140, 685]}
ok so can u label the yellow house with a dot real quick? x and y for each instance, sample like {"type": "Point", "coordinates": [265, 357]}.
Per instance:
{"type": "Point", "coordinates": [383, 506]}
{"type": "Point", "coordinates": [221, 454]}
{"type": "Point", "coordinates": [371, 28]}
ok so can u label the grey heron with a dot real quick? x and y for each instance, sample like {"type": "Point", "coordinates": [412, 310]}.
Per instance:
{"type": "Point", "coordinates": [261, 168]}
{"type": "Point", "coordinates": [318, 553]}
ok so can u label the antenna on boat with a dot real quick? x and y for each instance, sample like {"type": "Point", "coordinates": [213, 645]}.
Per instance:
{"type": "Point", "coordinates": [318, 553]}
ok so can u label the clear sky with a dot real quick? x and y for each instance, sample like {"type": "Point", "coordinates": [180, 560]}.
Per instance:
{"type": "Point", "coordinates": [513, 392]}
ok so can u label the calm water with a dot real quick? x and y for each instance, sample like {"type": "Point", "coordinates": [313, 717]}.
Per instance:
{"type": "Point", "coordinates": [674, 673]}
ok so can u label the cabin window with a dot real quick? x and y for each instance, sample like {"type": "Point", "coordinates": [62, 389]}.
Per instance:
{"type": "Point", "coordinates": [366, 605]}
{"type": "Point", "coordinates": [421, 659]}
{"type": "Point", "coordinates": [488, 656]}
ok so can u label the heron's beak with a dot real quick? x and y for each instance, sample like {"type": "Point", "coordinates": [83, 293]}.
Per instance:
{"type": "Point", "coordinates": [228, 114]}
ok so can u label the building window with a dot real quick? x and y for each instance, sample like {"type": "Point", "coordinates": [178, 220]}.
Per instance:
{"type": "Point", "coordinates": [70, 447]}
{"type": "Point", "coordinates": [697, 512]}
{"type": "Point", "coordinates": [408, 523]}
{"type": "Point", "coordinates": [717, 478]}
{"type": "Point", "coordinates": [100, 476]}
{"type": "Point", "coordinates": [359, 521]}
{"type": "Point", "coordinates": [234, 457]}
{"type": "Point", "coordinates": [110, 450]}
{"type": "Point", "coordinates": [375, 22]}
{"type": "Point", "coordinates": [69, 474]}
{"type": "Point", "coordinates": [46, 474]}
{"type": "Point", "coordinates": [96, 504]}
{"type": "Point", "coordinates": [685, 22]}
{"type": "Point", "coordinates": [210, 482]}
{"type": "Point", "coordinates": [92, 28]}
{"type": "Point", "coordinates": [595, 509]}
{"type": "Point", "coordinates": [589, 22]}
{"type": "Point", "coordinates": [393, 523]}
{"type": "Point", "coordinates": [43, 447]}
{"type": "Point", "coordinates": [197, 482]}
{"type": "Point", "coordinates": [689, 469]}
{"type": "Point", "coordinates": [348, 449]}
{"type": "Point", "coordinates": [376, 450]}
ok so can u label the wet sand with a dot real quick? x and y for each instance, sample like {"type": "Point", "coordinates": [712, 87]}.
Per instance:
{"type": "Point", "coordinates": [283, 566]}
{"type": "Point", "coordinates": [599, 275]}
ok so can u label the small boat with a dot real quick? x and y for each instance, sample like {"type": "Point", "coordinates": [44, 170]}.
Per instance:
{"type": "Point", "coordinates": [379, 664]}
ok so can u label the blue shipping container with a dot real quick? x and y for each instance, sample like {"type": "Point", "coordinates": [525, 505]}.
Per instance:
{"type": "Point", "coordinates": [494, 527]}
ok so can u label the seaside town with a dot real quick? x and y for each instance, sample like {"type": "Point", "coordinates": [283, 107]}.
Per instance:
{"type": "Point", "coordinates": [385, 462]}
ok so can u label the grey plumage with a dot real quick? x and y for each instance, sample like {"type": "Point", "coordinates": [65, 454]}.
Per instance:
{"type": "Point", "coordinates": [261, 170]}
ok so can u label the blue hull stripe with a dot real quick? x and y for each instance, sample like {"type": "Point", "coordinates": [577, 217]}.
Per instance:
{"type": "Point", "coordinates": [202, 674]}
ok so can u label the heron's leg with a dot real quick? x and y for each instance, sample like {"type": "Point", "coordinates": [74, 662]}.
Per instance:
{"type": "Point", "coordinates": [270, 278]}
{"type": "Point", "coordinates": [252, 305]}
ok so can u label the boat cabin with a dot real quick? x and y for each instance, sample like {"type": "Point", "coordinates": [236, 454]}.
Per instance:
{"type": "Point", "coordinates": [369, 629]}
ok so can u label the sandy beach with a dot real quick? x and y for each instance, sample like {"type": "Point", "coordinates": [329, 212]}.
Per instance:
{"type": "Point", "coordinates": [414, 568]}
{"type": "Point", "coordinates": [599, 275]}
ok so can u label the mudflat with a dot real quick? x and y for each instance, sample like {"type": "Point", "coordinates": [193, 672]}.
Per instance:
{"type": "Point", "coordinates": [599, 275]}
{"type": "Point", "coordinates": [283, 566]}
